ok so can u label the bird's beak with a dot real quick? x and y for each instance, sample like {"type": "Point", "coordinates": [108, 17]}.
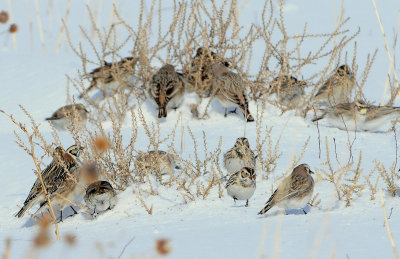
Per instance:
{"type": "Point", "coordinates": [311, 172]}
{"type": "Point", "coordinates": [251, 177]}
{"type": "Point", "coordinates": [81, 148]}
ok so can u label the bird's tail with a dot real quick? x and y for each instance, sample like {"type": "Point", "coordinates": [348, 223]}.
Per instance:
{"type": "Point", "coordinates": [317, 119]}
{"type": "Point", "coordinates": [266, 208]}
{"type": "Point", "coordinates": [22, 211]}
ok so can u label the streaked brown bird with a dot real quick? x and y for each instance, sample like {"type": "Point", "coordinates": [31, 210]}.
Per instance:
{"type": "Point", "coordinates": [239, 156]}
{"type": "Point", "coordinates": [230, 90]}
{"type": "Point", "coordinates": [155, 162]}
{"type": "Point", "coordinates": [100, 196]}
{"type": "Point", "coordinates": [338, 88]}
{"type": "Point", "coordinates": [166, 88]}
{"type": "Point", "coordinates": [359, 115]}
{"type": "Point", "coordinates": [111, 76]}
{"type": "Point", "coordinates": [242, 184]}
{"type": "Point", "coordinates": [59, 178]}
{"type": "Point", "coordinates": [294, 192]}
{"type": "Point", "coordinates": [289, 90]}
{"type": "Point", "coordinates": [69, 116]}
{"type": "Point", "coordinates": [198, 74]}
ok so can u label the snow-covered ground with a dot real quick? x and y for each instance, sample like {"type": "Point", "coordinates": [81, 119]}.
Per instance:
{"type": "Point", "coordinates": [215, 227]}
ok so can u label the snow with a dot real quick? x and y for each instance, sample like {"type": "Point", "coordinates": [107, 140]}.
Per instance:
{"type": "Point", "coordinates": [214, 227]}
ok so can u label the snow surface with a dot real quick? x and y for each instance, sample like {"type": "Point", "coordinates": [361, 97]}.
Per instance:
{"type": "Point", "coordinates": [211, 228]}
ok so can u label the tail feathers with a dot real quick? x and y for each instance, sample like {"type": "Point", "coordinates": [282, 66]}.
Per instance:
{"type": "Point", "coordinates": [317, 118]}
{"type": "Point", "coordinates": [30, 201]}
{"type": "Point", "coordinates": [22, 211]}
{"type": "Point", "coordinates": [92, 85]}
{"type": "Point", "coordinates": [266, 208]}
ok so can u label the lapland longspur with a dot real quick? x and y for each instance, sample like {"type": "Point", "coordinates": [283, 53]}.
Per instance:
{"type": "Point", "coordinates": [73, 115]}
{"type": "Point", "coordinates": [166, 88]}
{"type": "Point", "coordinates": [59, 179]}
{"type": "Point", "coordinates": [242, 184]}
{"type": "Point", "coordinates": [100, 196]}
{"type": "Point", "coordinates": [289, 90]}
{"type": "Point", "coordinates": [294, 192]}
{"type": "Point", "coordinates": [337, 89]}
{"type": "Point", "coordinates": [359, 115]}
{"type": "Point", "coordinates": [155, 162]}
{"type": "Point", "coordinates": [239, 156]}
{"type": "Point", "coordinates": [230, 90]}
{"type": "Point", "coordinates": [198, 74]}
{"type": "Point", "coordinates": [111, 76]}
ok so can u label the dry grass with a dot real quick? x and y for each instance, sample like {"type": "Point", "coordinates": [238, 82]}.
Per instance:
{"type": "Point", "coordinates": [114, 150]}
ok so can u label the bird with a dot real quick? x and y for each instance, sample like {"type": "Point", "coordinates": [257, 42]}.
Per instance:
{"type": "Point", "coordinates": [230, 90]}
{"type": "Point", "coordinates": [100, 196]}
{"type": "Point", "coordinates": [294, 192]}
{"type": "Point", "coordinates": [155, 162]}
{"type": "Point", "coordinates": [337, 89]}
{"type": "Point", "coordinates": [242, 184]}
{"type": "Point", "coordinates": [166, 88]}
{"type": "Point", "coordinates": [69, 116]}
{"type": "Point", "coordinates": [198, 74]}
{"type": "Point", "coordinates": [359, 115]}
{"type": "Point", "coordinates": [239, 156]}
{"type": "Point", "coordinates": [289, 90]}
{"type": "Point", "coordinates": [110, 76]}
{"type": "Point", "coordinates": [58, 178]}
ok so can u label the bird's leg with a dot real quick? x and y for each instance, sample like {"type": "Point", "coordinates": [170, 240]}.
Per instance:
{"type": "Point", "coordinates": [73, 210]}
{"type": "Point", "coordinates": [234, 111]}
{"type": "Point", "coordinates": [305, 213]}
{"type": "Point", "coordinates": [234, 199]}
{"type": "Point", "coordinates": [225, 112]}
{"type": "Point", "coordinates": [247, 203]}
{"type": "Point", "coordinates": [61, 220]}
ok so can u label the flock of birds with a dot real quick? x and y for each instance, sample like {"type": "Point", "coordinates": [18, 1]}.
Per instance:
{"type": "Point", "coordinates": [212, 76]}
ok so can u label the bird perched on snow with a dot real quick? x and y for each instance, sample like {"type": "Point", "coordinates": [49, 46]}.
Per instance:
{"type": "Point", "coordinates": [198, 74]}
{"type": "Point", "coordinates": [239, 156]}
{"type": "Point", "coordinates": [73, 115]}
{"type": "Point", "coordinates": [337, 89]}
{"type": "Point", "coordinates": [359, 115]}
{"type": "Point", "coordinates": [59, 178]}
{"type": "Point", "coordinates": [166, 88]}
{"type": "Point", "coordinates": [100, 196]}
{"type": "Point", "coordinates": [242, 184]}
{"type": "Point", "coordinates": [294, 192]}
{"type": "Point", "coordinates": [155, 162]}
{"type": "Point", "coordinates": [230, 89]}
{"type": "Point", "coordinates": [289, 90]}
{"type": "Point", "coordinates": [111, 76]}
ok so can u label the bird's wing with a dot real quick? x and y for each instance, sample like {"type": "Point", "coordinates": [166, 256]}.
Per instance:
{"type": "Point", "coordinates": [232, 179]}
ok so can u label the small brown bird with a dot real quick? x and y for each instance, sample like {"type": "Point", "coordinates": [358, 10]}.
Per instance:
{"type": "Point", "coordinates": [289, 90]}
{"type": "Point", "coordinates": [166, 88]}
{"type": "Point", "coordinates": [59, 179]}
{"type": "Point", "coordinates": [337, 89]}
{"type": "Point", "coordinates": [198, 74]}
{"type": "Point", "coordinates": [359, 115]}
{"type": "Point", "coordinates": [242, 184]}
{"type": "Point", "coordinates": [294, 192]}
{"type": "Point", "coordinates": [111, 76]}
{"type": "Point", "coordinates": [100, 196]}
{"type": "Point", "coordinates": [239, 156]}
{"type": "Point", "coordinates": [155, 162]}
{"type": "Point", "coordinates": [230, 90]}
{"type": "Point", "coordinates": [73, 115]}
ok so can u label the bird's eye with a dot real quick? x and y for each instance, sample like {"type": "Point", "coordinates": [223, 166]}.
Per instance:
{"type": "Point", "coordinates": [169, 91]}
